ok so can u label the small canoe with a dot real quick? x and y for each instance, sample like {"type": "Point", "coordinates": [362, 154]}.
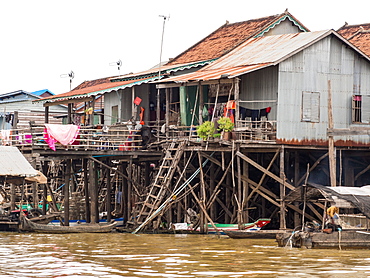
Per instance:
{"type": "Point", "coordinates": [27, 225]}
{"type": "Point", "coordinates": [260, 234]}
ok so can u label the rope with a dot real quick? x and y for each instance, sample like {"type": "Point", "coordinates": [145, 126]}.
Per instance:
{"type": "Point", "coordinates": [175, 193]}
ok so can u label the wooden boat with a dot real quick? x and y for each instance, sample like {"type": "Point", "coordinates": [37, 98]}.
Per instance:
{"type": "Point", "coordinates": [253, 226]}
{"type": "Point", "coordinates": [260, 234]}
{"type": "Point", "coordinates": [27, 225]}
{"type": "Point", "coordinates": [73, 222]}
{"type": "Point", "coordinates": [336, 239]}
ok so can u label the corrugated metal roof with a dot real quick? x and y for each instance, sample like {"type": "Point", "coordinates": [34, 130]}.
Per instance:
{"type": "Point", "coordinates": [255, 53]}
{"type": "Point", "coordinates": [13, 163]}
{"type": "Point", "coordinates": [162, 69]}
{"type": "Point", "coordinates": [214, 74]}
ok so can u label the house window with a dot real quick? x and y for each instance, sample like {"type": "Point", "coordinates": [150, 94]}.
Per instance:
{"type": "Point", "coordinates": [361, 109]}
{"type": "Point", "coordinates": [310, 107]}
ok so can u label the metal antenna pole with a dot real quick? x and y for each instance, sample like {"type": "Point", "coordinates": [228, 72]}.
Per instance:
{"type": "Point", "coordinates": [159, 76]}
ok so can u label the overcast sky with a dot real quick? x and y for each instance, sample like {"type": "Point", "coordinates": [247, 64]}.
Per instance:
{"type": "Point", "coordinates": [43, 39]}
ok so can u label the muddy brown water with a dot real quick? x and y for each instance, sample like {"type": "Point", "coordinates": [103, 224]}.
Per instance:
{"type": "Point", "coordinates": [157, 255]}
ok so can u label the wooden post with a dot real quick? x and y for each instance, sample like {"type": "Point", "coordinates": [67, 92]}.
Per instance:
{"type": "Point", "coordinates": [212, 210]}
{"type": "Point", "coordinates": [158, 113]}
{"type": "Point", "coordinates": [69, 115]}
{"type": "Point", "coordinates": [296, 179]}
{"type": "Point", "coordinates": [167, 112]}
{"type": "Point", "coordinates": [203, 223]}
{"type": "Point", "coordinates": [282, 189]}
{"type": "Point", "coordinates": [46, 114]}
{"type": "Point", "coordinates": [332, 158]}
{"type": "Point", "coordinates": [15, 120]}
{"type": "Point", "coordinates": [45, 168]}
{"type": "Point", "coordinates": [129, 188]}
{"type": "Point", "coordinates": [133, 105]}
{"type": "Point", "coordinates": [237, 101]}
{"type": "Point", "coordinates": [123, 187]}
{"type": "Point", "coordinates": [86, 190]}
{"type": "Point", "coordinates": [245, 203]}
{"type": "Point", "coordinates": [240, 201]}
{"type": "Point", "coordinates": [93, 192]}
{"type": "Point", "coordinates": [44, 198]}
{"type": "Point", "coordinates": [35, 195]}
{"type": "Point", "coordinates": [201, 103]}
{"type": "Point", "coordinates": [12, 196]}
{"type": "Point", "coordinates": [66, 191]}
{"type": "Point", "coordinates": [109, 195]}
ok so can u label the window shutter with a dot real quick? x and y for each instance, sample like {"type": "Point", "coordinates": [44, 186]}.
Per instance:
{"type": "Point", "coordinates": [311, 107]}
{"type": "Point", "coordinates": [365, 109]}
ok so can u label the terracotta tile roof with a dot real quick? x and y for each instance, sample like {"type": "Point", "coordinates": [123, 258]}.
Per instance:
{"type": "Point", "coordinates": [96, 89]}
{"type": "Point", "coordinates": [90, 83]}
{"type": "Point", "coordinates": [358, 35]}
{"type": "Point", "coordinates": [227, 37]}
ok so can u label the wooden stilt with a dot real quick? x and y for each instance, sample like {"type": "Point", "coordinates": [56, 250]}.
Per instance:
{"type": "Point", "coordinates": [86, 190]}
{"type": "Point", "coordinates": [66, 191]}
{"type": "Point", "coordinates": [282, 189]}
{"type": "Point", "coordinates": [109, 195]}
{"type": "Point", "coordinates": [93, 193]}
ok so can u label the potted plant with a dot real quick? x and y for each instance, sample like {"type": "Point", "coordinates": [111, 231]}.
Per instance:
{"type": "Point", "coordinates": [226, 126]}
{"type": "Point", "coordinates": [206, 130]}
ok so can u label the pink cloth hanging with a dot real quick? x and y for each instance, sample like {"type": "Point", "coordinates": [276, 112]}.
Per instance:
{"type": "Point", "coordinates": [64, 134]}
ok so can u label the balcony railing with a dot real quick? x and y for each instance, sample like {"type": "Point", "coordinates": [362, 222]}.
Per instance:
{"type": "Point", "coordinates": [126, 138]}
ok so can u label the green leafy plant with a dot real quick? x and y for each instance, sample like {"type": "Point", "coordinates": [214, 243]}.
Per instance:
{"type": "Point", "coordinates": [225, 124]}
{"type": "Point", "coordinates": [206, 130]}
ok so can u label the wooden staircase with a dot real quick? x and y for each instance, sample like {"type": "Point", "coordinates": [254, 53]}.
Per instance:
{"type": "Point", "coordinates": [162, 180]}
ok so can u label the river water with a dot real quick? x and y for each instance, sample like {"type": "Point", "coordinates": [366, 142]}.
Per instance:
{"type": "Point", "coordinates": [157, 255]}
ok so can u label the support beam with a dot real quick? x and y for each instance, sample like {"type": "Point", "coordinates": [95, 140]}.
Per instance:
{"type": "Point", "coordinates": [262, 169]}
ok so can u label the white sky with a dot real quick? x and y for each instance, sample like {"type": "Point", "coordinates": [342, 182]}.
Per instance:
{"type": "Point", "coordinates": [42, 39]}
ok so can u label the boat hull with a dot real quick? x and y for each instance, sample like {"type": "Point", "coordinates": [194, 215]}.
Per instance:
{"type": "Point", "coordinates": [260, 234]}
{"type": "Point", "coordinates": [29, 226]}
{"type": "Point", "coordinates": [337, 239]}
{"type": "Point", "coordinates": [221, 228]}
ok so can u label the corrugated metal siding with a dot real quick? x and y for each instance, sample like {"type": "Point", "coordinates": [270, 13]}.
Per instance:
{"type": "Point", "coordinates": [285, 27]}
{"type": "Point", "coordinates": [260, 85]}
{"type": "Point", "coordinates": [13, 163]}
{"type": "Point", "coordinates": [310, 70]}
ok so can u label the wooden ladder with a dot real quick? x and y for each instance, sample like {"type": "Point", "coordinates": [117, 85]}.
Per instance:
{"type": "Point", "coordinates": [161, 181]}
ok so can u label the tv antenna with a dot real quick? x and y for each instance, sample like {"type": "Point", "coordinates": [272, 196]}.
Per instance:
{"type": "Point", "coordinates": [118, 64]}
{"type": "Point", "coordinates": [71, 75]}
{"type": "Point", "coordinates": [165, 17]}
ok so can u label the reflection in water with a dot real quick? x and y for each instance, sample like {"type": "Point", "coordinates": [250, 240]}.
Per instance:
{"type": "Point", "coordinates": [126, 255]}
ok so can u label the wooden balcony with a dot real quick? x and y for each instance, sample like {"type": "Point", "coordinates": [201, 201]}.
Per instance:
{"type": "Point", "coordinates": [127, 138]}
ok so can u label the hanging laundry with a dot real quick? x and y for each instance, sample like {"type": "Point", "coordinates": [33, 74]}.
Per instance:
{"type": "Point", "coordinates": [64, 134]}
{"type": "Point", "coordinates": [5, 136]}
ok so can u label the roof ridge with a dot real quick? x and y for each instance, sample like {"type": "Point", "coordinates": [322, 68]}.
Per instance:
{"type": "Point", "coordinates": [254, 19]}
{"type": "Point", "coordinates": [346, 25]}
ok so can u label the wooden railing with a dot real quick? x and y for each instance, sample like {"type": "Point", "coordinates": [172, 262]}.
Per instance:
{"type": "Point", "coordinates": [123, 138]}
{"type": "Point", "coordinates": [127, 138]}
